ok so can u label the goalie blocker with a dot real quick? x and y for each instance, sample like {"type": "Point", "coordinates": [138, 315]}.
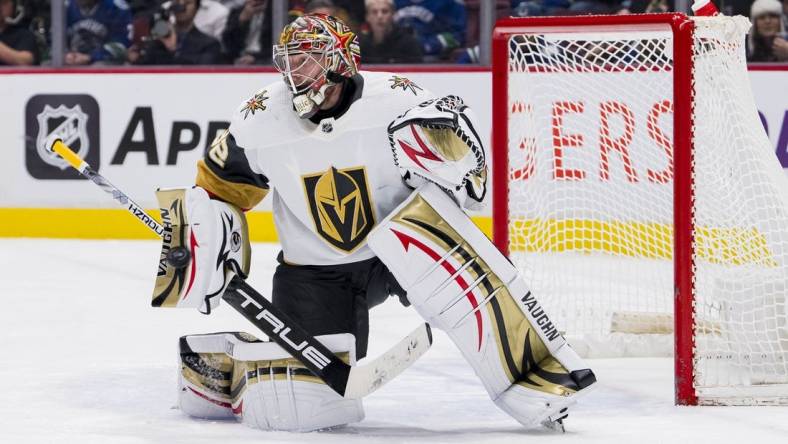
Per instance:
{"type": "Point", "coordinates": [205, 242]}
{"type": "Point", "coordinates": [460, 283]}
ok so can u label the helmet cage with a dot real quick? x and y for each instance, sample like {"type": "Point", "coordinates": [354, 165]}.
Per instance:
{"type": "Point", "coordinates": [293, 61]}
{"type": "Point", "coordinates": [324, 41]}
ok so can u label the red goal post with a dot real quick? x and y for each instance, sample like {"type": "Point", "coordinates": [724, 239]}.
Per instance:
{"type": "Point", "coordinates": [570, 194]}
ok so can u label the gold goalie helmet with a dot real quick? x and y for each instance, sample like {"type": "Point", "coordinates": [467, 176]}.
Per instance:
{"type": "Point", "coordinates": [314, 52]}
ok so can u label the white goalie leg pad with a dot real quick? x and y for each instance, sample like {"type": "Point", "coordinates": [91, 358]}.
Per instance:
{"type": "Point", "coordinates": [234, 375]}
{"type": "Point", "coordinates": [205, 376]}
{"type": "Point", "coordinates": [460, 283]}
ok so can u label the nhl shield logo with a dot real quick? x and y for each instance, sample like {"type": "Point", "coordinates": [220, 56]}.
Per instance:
{"type": "Point", "coordinates": [341, 207]}
{"type": "Point", "coordinates": [70, 125]}
{"type": "Point", "coordinates": [75, 119]}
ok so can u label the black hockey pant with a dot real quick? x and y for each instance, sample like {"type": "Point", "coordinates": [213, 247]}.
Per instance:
{"type": "Point", "coordinates": [326, 299]}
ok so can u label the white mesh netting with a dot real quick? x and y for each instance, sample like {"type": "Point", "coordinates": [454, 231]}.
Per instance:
{"type": "Point", "coordinates": [591, 199]}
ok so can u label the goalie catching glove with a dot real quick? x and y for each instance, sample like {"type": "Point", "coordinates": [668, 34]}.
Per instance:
{"type": "Point", "coordinates": [205, 243]}
{"type": "Point", "coordinates": [437, 142]}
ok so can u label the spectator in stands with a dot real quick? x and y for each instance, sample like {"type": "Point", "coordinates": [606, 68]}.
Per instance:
{"type": "Point", "coordinates": [382, 41]}
{"type": "Point", "coordinates": [528, 8]}
{"type": "Point", "coordinates": [582, 7]}
{"type": "Point", "coordinates": [33, 14]}
{"type": "Point", "coordinates": [767, 41]}
{"type": "Point", "coordinates": [142, 6]}
{"type": "Point", "coordinates": [326, 7]}
{"type": "Point", "coordinates": [182, 44]}
{"type": "Point", "coordinates": [731, 7]}
{"type": "Point", "coordinates": [142, 13]}
{"type": "Point", "coordinates": [36, 19]}
{"type": "Point", "coordinates": [356, 13]}
{"type": "Point", "coordinates": [17, 44]}
{"type": "Point", "coordinates": [473, 10]}
{"type": "Point", "coordinates": [785, 14]}
{"type": "Point", "coordinates": [98, 31]}
{"type": "Point", "coordinates": [329, 7]}
{"type": "Point", "coordinates": [211, 18]}
{"type": "Point", "coordinates": [470, 54]}
{"type": "Point", "coordinates": [232, 4]}
{"type": "Point", "coordinates": [439, 24]}
{"type": "Point", "coordinates": [650, 6]}
{"type": "Point", "coordinates": [247, 37]}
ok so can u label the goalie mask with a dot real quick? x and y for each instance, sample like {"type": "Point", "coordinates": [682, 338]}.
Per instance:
{"type": "Point", "coordinates": [314, 52]}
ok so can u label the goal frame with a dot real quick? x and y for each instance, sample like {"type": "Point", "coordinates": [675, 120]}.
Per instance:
{"type": "Point", "coordinates": [683, 240]}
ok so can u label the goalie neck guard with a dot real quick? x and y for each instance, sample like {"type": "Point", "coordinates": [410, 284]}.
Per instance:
{"type": "Point", "coordinates": [314, 52]}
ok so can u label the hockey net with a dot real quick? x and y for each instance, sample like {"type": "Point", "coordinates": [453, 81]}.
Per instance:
{"type": "Point", "coordinates": [594, 119]}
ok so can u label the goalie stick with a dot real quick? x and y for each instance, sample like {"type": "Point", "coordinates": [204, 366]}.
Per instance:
{"type": "Point", "coordinates": [348, 381]}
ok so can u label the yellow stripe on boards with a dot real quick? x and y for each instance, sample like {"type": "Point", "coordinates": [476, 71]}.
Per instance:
{"type": "Point", "coordinates": [73, 223]}
{"type": "Point", "coordinates": [647, 240]}
{"type": "Point", "coordinates": [109, 223]}
{"type": "Point", "coordinates": [731, 246]}
{"type": "Point", "coordinates": [115, 223]}
{"type": "Point", "coordinates": [734, 246]}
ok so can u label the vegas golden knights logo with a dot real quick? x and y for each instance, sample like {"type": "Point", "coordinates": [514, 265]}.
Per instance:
{"type": "Point", "coordinates": [341, 207]}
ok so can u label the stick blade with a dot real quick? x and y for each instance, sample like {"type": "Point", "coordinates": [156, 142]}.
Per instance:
{"type": "Point", "coordinates": [367, 378]}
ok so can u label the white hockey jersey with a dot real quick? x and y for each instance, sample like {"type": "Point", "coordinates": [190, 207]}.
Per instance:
{"type": "Point", "coordinates": [331, 181]}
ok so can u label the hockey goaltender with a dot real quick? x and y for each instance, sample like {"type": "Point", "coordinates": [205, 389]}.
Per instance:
{"type": "Point", "coordinates": [369, 175]}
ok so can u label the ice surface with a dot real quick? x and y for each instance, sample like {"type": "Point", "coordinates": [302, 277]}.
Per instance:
{"type": "Point", "coordinates": [85, 359]}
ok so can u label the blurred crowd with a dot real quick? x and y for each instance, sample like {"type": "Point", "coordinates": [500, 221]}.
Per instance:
{"type": "Point", "coordinates": [238, 32]}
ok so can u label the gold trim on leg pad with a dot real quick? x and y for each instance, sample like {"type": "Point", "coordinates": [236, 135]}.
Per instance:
{"type": "Point", "coordinates": [460, 283]}
{"type": "Point", "coordinates": [226, 375]}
